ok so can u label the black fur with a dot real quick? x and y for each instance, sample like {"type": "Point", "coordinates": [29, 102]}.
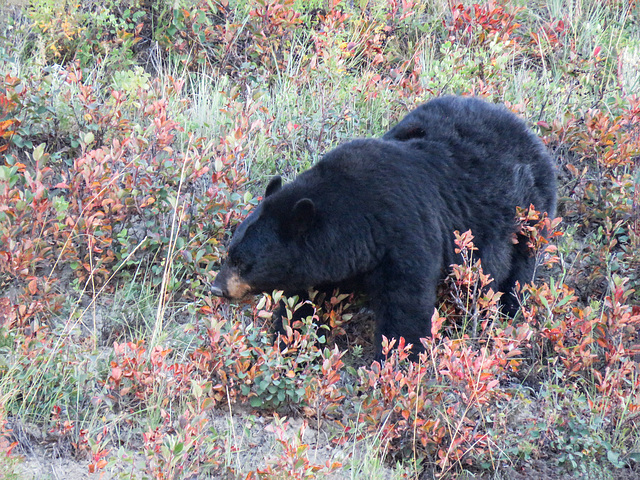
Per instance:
{"type": "Point", "coordinates": [380, 213]}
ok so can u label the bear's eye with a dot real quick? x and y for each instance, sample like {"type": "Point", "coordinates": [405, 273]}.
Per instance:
{"type": "Point", "coordinates": [236, 263]}
{"type": "Point", "coordinates": [241, 266]}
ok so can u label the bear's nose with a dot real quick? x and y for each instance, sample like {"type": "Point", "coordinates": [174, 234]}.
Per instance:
{"type": "Point", "coordinates": [217, 291]}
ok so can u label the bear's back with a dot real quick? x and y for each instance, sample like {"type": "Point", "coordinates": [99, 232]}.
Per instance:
{"type": "Point", "coordinates": [460, 155]}
{"type": "Point", "coordinates": [467, 125]}
{"type": "Point", "coordinates": [485, 145]}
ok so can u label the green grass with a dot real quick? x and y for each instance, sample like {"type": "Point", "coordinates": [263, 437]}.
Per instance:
{"type": "Point", "coordinates": [257, 96]}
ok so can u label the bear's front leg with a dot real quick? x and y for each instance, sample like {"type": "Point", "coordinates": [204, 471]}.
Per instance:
{"type": "Point", "coordinates": [403, 296]}
{"type": "Point", "coordinates": [280, 312]}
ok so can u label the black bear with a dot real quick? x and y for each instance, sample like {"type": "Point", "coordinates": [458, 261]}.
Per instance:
{"type": "Point", "coordinates": [379, 214]}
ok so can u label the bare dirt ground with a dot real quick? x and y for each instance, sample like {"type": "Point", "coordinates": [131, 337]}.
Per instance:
{"type": "Point", "coordinates": [545, 471]}
{"type": "Point", "coordinates": [41, 467]}
{"type": "Point", "coordinates": [255, 445]}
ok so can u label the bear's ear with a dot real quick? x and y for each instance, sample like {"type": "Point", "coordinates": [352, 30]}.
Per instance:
{"type": "Point", "coordinates": [275, 184]}
{"type": "Point", "coordinates": [407, 132]}
{"type": "Point", "coordinates": [303, 215]}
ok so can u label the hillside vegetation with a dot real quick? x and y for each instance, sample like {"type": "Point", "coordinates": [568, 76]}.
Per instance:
{"type": "Point", "coordinates": [135, 135]}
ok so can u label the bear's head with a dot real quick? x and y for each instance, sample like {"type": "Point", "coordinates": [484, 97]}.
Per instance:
{"type": "Point", "coordinates": [266, 250]}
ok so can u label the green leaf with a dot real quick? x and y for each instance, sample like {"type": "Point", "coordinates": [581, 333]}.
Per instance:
{"type": "Point", "coordinates": [614, 458]}
{"type": "Point", "coordinates": [635, 456]}
{"type": "Point", "coordinates": [38, 153]}
{"type": "Point", "coordinates": [564, 300]}
{"type": "Point", "coordinates": [544, 302]}
{"type": "Point", "coordinates": [197, 390]}
{"type": "Point", "coordinates": [17, 141]}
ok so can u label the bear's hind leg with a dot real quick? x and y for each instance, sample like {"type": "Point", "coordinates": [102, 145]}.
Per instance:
{"type": "Point", "coordinates": [522, 270]}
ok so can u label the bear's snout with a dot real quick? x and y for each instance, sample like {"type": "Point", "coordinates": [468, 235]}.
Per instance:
{"type": "Point", "coordinates": [217, 291]}
{"type": "Point", "coordinates": [229, 284]}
